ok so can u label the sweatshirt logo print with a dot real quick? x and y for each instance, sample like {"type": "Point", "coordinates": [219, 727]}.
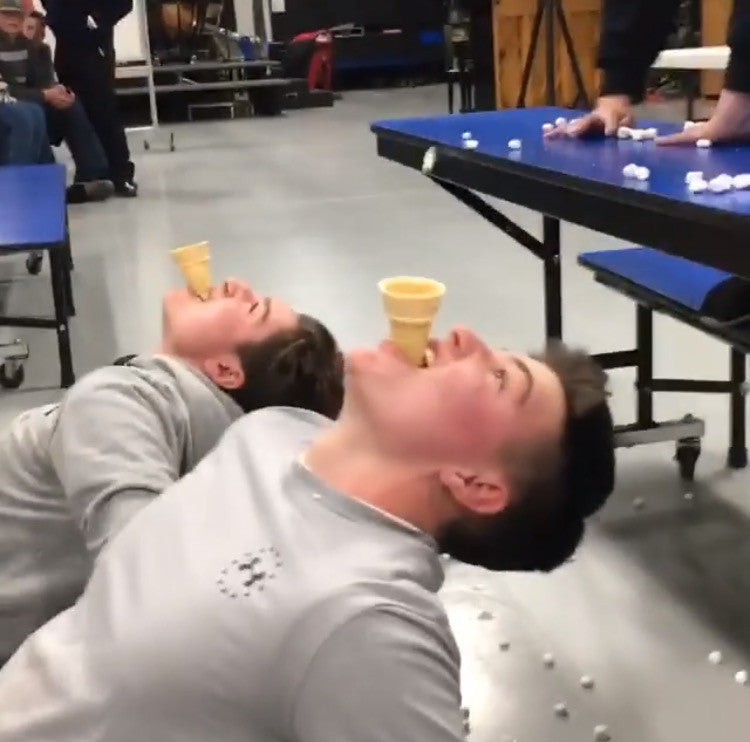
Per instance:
{"type": "Point", "coordinates": [252, 572]}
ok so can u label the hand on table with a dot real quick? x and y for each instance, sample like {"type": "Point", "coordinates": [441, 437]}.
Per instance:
{"type": "Point", "coordinates": [611, 112]}
{"type": "Point", "coordinates": [730, 122]}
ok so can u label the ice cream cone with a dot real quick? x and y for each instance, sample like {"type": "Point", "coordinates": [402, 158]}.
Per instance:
{"type": "Point", "coordinates": [411, 305]}
{"type": "Point", "coordinates": [194, 262]}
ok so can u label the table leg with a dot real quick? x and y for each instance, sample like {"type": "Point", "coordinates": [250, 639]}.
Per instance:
{"type": "Point", "coordinates": [57, 260]}
{"type": "Point", "coordinates": [552, 278]}
{"type": "Point", "coordinates": [737, 457]}
{"type": "Point", "coordinates": [644, 333]}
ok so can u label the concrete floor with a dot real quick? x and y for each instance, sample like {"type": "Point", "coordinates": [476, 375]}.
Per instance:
{"type": "Point", "coordinates": [302, 206]}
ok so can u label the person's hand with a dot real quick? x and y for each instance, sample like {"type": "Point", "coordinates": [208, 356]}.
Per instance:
{"type": "Point", "coordinates": [730, 122]}
{"type": "Point", "coordinates": [57, 97]}
{"type": "Point", "coordinates": [611, 112]}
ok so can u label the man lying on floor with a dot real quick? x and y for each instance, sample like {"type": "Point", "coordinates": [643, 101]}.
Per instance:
{"type": "Point", "coordinates": [72, 474]}
{"type": "Point", "coordinates": [286, 588]}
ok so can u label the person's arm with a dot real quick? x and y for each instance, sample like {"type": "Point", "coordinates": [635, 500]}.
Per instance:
{"type": "Point", "coordinates": [633, 32]}
{"type": "Point", "coordinates": [116, 446]}
{"type": "Point", "coordinates": [738, 71]}
{"type": "Point", "coordinates": [385, 676]}
{"type": "Point", "coordinates": [45, 69]}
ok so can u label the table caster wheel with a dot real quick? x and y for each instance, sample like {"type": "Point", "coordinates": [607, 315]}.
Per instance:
{"type": "Point", "coordinates": [11, 375]}
{"type": "Point", "coordinates": [686, 455]}
{"type": "Point", "coordinates": [34, 263]}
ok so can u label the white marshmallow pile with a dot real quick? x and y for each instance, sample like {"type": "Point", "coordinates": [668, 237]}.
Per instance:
{"type": "Point", "coordinates": [637, 135]}
{"type": "Point", "coordinates": [636, 171]}
{"type": "Point", "coordinates": [696, 183]}
{"type": "Point", "coordinates": [514, 144]}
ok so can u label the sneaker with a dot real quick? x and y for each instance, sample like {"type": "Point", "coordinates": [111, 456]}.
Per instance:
{"type": "Point", "coordinates": [90, 190]}
{"type": "Point", "coordinates": [126, 188]}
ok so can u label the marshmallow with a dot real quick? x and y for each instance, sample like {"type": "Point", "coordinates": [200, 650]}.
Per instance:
{"type": "Point", "coordinates": [741, 677]}
{"type": "Point", "coordinates": [547, 128]}
{"type": "Point", "coordinates": [693, 175]}
{"type": "Point", "coordinates": [624, 132]}
{"type": "Point", "coordinates": [697, 186]}
{"type": "Point", "coordinates": [703, 143]}
{"type": "Point", "coordinates": [485, 616]}
{"type": "Point", "coordinates": [639, 503]}
{"type": "Point", "coordinates": [630, 170]}
{"type": "Point", "coordinates": [561, 710]}
{"type": "Point", "coordinates": [742, 181]}
{"type": "Point", "coordinates": [719, 185]}
{"type": "Point", "coordinates": [688, 497]}
{"type": "Point", "coordinates": [504, 645]}
{"type": "Point", "coordinates": [637, 135]}
{"type": "Point", "coordinates": [587, 682]}
{"type": "Point", "coordinates": [561, 121]}
{"type": "Point", "coordinates": [466, 135]}
{"type": "Point", "coordinates": [601, 733]}
{"type": "Point", "coordinates": [688, 125]}
{"type": "Point", "coordinates": [514, 144]}
{"type": "Point", "coordinates": [549, 660]}
{"type": "Point", "coordinates": [429, 160]}
{"type": "Point", "coordinates": [643, 173]}
{"type": "Point", "coordinates": [651, 133]}
{"type": "Point", "coordinates": [715, 658]}
{"type": "Point", "coordinates": [471, 144]}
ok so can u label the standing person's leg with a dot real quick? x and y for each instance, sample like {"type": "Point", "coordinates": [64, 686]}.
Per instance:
{"type": "Point", "coordinates": [88, 74]}
{"type": "Point", "coordinates": [91, 177]}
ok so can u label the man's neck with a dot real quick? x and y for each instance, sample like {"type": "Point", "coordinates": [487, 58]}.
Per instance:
{"type": "Point", "coordinates": [344, 461]}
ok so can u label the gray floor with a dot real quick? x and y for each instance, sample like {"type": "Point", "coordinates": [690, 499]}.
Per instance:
{"type": "Point", "coordinates": [303, 207]}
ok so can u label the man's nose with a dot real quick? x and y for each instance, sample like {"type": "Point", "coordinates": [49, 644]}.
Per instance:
{"type": "Point", "coordinates": [463, 342]}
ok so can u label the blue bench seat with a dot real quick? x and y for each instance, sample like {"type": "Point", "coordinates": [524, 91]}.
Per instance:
{"type": "Point", "coordinates": [696, 288]}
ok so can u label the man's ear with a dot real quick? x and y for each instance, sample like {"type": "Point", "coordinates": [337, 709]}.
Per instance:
{"type": "Point", "coordinates": [225, 371]}
{"type": "Point", "coordinates": [482, 492]}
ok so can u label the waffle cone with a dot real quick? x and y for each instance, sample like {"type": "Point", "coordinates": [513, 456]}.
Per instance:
{"type": "Point", "coordinates": [411, 304]}
{"type": "Point", "coordinates": [194, 262]}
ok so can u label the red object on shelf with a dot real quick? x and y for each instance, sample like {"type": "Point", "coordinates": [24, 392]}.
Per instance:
{"type": "Point", "coordinates": [320, 71]}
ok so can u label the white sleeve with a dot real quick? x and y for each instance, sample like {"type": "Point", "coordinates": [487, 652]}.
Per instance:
{"type": "Point", "coordinates": [115, 447]}
{"type": "Point", "coordinates": [385, 676]}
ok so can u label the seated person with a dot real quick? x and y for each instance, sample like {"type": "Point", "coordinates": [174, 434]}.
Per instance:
{"type": "Point", "coordinates": [35, 30]}
{"type": "Point", "coordinates": [23, 133]}
{"type": "Point", "coordinates": [66, 119]}
{"type": "Point", "coordinates": [71, 474]}
{"type": "Point", "coordinates": [286, 588]}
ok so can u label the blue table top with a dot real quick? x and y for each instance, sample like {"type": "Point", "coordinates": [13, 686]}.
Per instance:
{"type": "Point", "coordinates": [32, 206]}
{"type": "Point", "coordinates": [597, 159]}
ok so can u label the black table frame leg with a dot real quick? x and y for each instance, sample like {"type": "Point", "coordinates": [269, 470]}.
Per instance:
{"type": "Point", "coordinates": [60, 278]}
{"type": "Point", "coordinates": [737, 455]}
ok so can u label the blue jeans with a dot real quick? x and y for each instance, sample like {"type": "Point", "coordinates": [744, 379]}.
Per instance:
{"type": "Point", "coordinates": [72, 126]}
{"type": "Point", "coordinates": [23, 135]}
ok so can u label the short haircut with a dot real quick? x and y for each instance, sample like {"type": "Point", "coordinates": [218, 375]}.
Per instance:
{"type": "Point", "coordinates": [556, 484]}
{"type": "Point", "coordinates": [301, 367]}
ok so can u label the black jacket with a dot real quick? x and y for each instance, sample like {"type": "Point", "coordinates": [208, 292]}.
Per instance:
{"type": "Point", "coordinates": [68, 20]}
{"type": "Point", "coordinates": [634, 32]}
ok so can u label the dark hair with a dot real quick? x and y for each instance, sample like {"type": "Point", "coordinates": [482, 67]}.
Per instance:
{"type": "Point", "coordinates": [301, 367]}
{"type": "Point", "coordinates": [38, 16]}
{"type": "Point", "coordinates": [556, 484]}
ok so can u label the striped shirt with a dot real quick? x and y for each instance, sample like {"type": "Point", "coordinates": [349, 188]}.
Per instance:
{"type": "Point", "coordinates": [20, 68]}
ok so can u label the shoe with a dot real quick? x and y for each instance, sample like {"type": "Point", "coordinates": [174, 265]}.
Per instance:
{"type": "Point", "coordinates": [126, 188]}
{"type": "Point", "coordinates": [90, 190]}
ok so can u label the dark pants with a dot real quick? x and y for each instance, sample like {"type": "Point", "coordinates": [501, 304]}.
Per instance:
{"type": "Point", "coordinates": [23, 135]}
{"type": "Point", "coordinates": [89, 73]}
{"type": "Point", "coordinates": [72, 126]}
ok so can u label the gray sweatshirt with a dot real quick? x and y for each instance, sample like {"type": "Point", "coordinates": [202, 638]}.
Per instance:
{"type": "Point", "coordinates": [72, 474]}
{"type": "Point", "coordinates": [249, 603]}
{"type": "Point", "coordinates": [22, 68]}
